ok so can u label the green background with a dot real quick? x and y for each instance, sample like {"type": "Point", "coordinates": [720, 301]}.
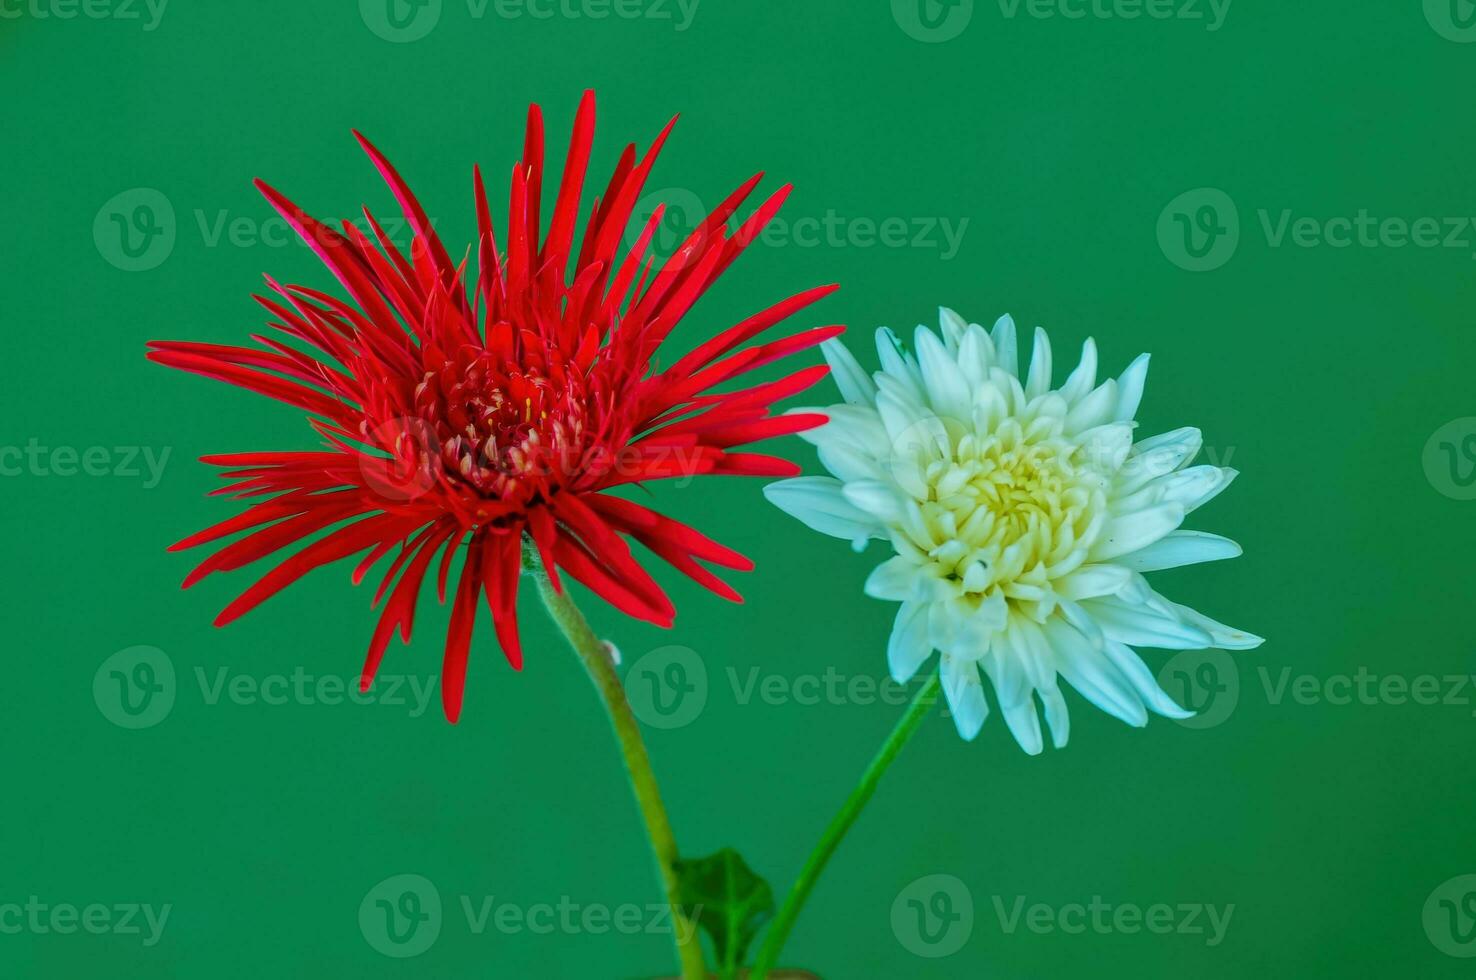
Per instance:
{"type": "Point", "coordinates": [1323, 370]}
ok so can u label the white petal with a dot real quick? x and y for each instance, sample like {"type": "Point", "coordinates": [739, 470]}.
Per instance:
{"type": "Point", "coordinates": [908, 648]}
{"type": "Point", "coordinates": [858, 427]}
{"type": "Point", "coordinates": [1058, 719]}
{"type": "Point", "coordinates": [1136, 671]}
{"type": "Point", "coordinates": [1224, 637]}
{"type": "Point", "coordinates": [1127, 533]}
{"type": "Point", "coordinates": [1141, 625]}
{"type": "Point", "coordinates": [966, 628]}
{"type": "Point", "coordinates": [1024, 722]}
{"type": "Point", "coordinates": [1006, 354]}
{"type": "Point", "coordinates": [1040, 366]}
{"type": "Point", "coordinates": [1081, 621]}
{"type": "Point", "coordinates": [819, 503]}
{"type": "Point", "coordinates": [1130, 388]}
{"type": "Point", "coordinates": [1032, 651]}
{"type": "Point", "coordinates": [965, 695]}
{"type": "Point", "coordinates": [953, 327]}
{"type": "Point", "coordinates": [1107, 446]}
{"type": "Point", "coordinates": [848, 464]}
{"type": "Point", "coordinates": [1084, 376]}
{"type": "Point", "coordinates": [976, 577]}
{"type": "Point", "coordinates": [881, 501]}
{"type": "Point", "coordinates": [948, 392]}
{"type": "Point", "coordinates": [893, 361]}
{"type": "Point", "coordinates": [910, 426]}
{"type": "Point", "coordinates": [1180, 548]}
{"type": "Point", "coordinates": [1091, 581]}
{"type": "Point", "coordinates": [855, 384]}
{"type": "Point", "coordinates": [895, 579]}
{"type": "Point", "coordinates": [910, 472]}
{"type": "Point", "coordinates": [1197, 485]}
{"type": "Point", "coordinates": [1095, 409]}
{"type": "Point", "coordinates": [1183, 443]}
{"type": "Point", "coordinates": [1089, 671]}
{"type": "Point", "coordinates": [975, 356]}
{"type": "Point", "coordinates": [1007, 672]}
{"type": "Point", "coordinates": [1227, 477]}
{"type": "Point", "coordinates": [1158, 456]}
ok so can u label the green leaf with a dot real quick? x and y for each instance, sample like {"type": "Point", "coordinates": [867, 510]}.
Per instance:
{"type": "Point", "coordinates": [727, 900]}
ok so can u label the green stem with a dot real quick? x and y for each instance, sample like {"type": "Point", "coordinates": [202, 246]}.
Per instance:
{"type": "Point", "coordinates": [601, 669]}
{"type": "Point", "coordinates": [840, 824]}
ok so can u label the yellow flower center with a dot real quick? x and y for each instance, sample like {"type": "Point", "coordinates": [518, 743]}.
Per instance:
{"type": "Point", "coordinates": [1012, 508]}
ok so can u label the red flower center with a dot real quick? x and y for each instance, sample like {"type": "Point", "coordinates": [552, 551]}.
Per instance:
{"type": "Point", "coordinates": [491, 430]}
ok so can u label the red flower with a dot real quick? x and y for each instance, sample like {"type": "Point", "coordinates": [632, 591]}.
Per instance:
{"type": "Point", "coordinates": [480, 419]}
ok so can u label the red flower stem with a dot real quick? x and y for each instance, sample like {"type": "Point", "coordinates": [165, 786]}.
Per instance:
{"type": "Point", "coordinates": [849, 811]}
{"type": "Point", "coordinates": [597, 661]}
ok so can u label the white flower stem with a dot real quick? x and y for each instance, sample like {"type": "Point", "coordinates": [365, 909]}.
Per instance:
{"type": "Point", "coordinates": [592, 651]}
{"type": "Point", "coordinates": [841, 823]}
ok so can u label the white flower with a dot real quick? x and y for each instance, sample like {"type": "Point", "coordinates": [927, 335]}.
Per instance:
{"type": "Point", "coordinates": [1023, 517]}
